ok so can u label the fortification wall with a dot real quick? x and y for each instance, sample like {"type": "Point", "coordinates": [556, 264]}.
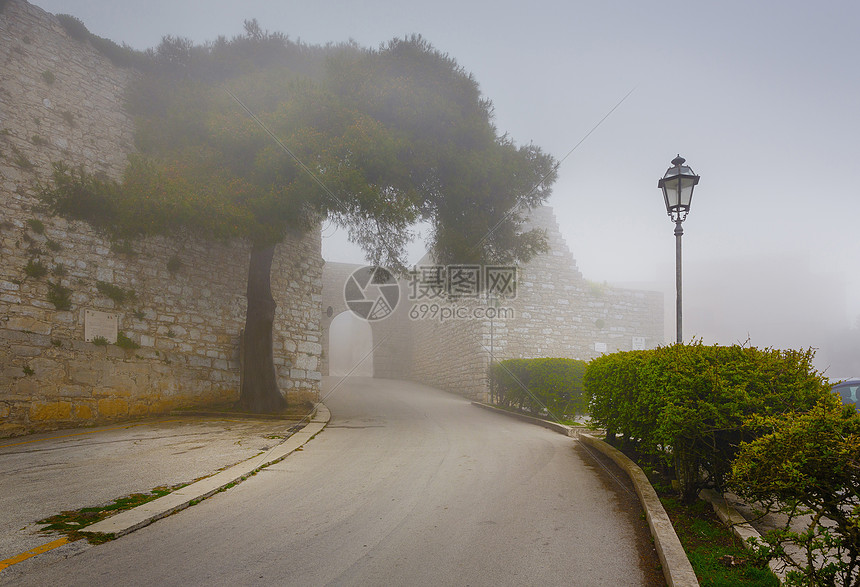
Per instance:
{"type": "Point", "coordinates": [60, 100]}
{"type": "Point", "coordinates": [558, 313]}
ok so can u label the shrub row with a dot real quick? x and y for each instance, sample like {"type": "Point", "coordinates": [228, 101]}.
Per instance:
{"type": "Point", "coordinates": [688, 407]}
{"type": "Point", "coordinates": [544, 387]}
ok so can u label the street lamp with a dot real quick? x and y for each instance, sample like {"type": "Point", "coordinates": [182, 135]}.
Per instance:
{"type": "Point", "coordinates": [677, 185]}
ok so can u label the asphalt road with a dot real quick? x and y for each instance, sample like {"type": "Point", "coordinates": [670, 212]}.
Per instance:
{"type": "Point", "coordinates": [407, 486]}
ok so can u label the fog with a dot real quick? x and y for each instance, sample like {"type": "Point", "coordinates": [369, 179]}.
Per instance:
{"type": "Point", "coordinates": [760, 98]}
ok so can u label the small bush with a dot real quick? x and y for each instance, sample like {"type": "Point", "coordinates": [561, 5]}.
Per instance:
{"type": "Point", "coordinates": [125, 342]}
{"type": "Point", "coordinates": [116, 293]}
{"type": "Point", "coordinates": [48, 77]}
{"type": "Point", "coordinates": [60, 296]}
{"type": "Point", "coordinates": [53, 245]}
{"type": "Point", "coordinates": [36, 225]}
{"type": "Point", "coordinates": [28, 371]}
{"type": "Point", "coordinates": [541, 386]}
{"type": "Point", "coordinates": [20, 159]}
{"type": "Point", "coordinates": [35, 269]}
{"type": "Point", "coordinates": [100, 341]}
{"type": "Point", "coordinates": [39, 141]}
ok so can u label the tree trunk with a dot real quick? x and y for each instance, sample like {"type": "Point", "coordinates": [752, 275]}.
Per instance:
{"type": "Point", "coordinates": [260, 393]}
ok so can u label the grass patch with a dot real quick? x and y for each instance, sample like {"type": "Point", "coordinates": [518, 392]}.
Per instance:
{"type": "Point", "coordinates": [71, 522]}
{"type": "Point", "coordinates": [718, 557]}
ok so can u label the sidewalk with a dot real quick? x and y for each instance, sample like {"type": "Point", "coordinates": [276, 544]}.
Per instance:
{"type": "Point", "coordinates": [44, 474]}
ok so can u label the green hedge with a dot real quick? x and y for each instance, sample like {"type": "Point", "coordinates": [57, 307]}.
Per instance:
{"type": "Point", "coordinates": [688, 406]}
{"type": "Point", "coordinates": [543, 387]}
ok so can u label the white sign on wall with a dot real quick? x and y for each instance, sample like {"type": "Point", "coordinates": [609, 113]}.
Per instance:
{"type": "Point", "coordinates": [600, 347]}
{"type": "Point", "coordinates": [102, 324]}
{"type": "Point", "coordinates": [638, 343]}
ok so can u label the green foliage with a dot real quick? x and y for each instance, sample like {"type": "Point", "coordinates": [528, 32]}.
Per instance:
{"type": "Point", "coordinates": [125, 342]}
{"type": "Point", "coordinates": [39, 141]}
{"type": "Point", "coordinates": [48, 77]}
{"type": "Point", "coordinates": [35, 269]}
{"type": "Point", "coordinates": [53, 245]}
{"type": "Point", "coordinates": [36, 225]}
{"type": "Point", "coordinates": [394, 134]}
{"type": "Point", "coordinates": [116, 293]}
{"type": "Point", "coordinates": [59, 269]}
{"type": "Point", "coordinates": [100, 341]}
{"type": "Point", "coordinates": [120, 55]}
{"type": "Point", "coordinates": [28, 371]}
{"type": "Point", "coordinates": [688, 406]}
{"type": "Point", "coordinates": [540, 386]}
{"type": "Point", "coordinates": [807, 467]}
{"type": "Point", "coordinates": [60, 296]}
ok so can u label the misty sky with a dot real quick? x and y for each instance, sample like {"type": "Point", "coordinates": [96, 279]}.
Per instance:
{"type": "Point", "coordinates": [761, 98]}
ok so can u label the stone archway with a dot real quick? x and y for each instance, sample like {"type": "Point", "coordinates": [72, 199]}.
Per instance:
{"type": "Point", "coordinates": [350, 346]}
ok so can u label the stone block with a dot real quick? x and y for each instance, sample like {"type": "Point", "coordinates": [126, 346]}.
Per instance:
{"type": "Point", "coordinates": [82, 412]}
{"type": "Point", "coordinates": [112, 407]}
{"type": "Point", "coordinates": [50, 411]}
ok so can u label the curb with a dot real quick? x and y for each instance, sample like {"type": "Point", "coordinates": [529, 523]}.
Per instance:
{"type": "Point", "coordinates": [739, 526]}
{"type": "Point", "coordinates": [136, 518]}
{"type": "Point", "coordinates": [560, 428]}
{"type": "Point", "coordinates": [676, 566]}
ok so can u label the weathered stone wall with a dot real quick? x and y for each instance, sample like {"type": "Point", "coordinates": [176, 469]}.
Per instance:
{"type": "Point", "coordinates": [60, 100]}
{"type": "Point", "coordinates": [560, 314]}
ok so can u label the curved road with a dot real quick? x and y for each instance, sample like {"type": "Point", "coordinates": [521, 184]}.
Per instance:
{"type": "Point", "coordinates": [408, 485]}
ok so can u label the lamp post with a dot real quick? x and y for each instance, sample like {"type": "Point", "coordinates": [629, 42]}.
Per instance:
{"type": "Point", "coordinates": [492, 306]}
{"type": "Point", "coordinates": [677, 185]}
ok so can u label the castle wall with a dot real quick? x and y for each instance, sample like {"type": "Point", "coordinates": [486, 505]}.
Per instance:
{"type": "Point", "coordinates": [60, 100]}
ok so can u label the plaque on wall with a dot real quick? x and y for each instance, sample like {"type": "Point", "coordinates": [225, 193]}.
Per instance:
{"type": "Point", "coordinates": [102, 324]}
{"type": "Point", "coordinates": [638, 343]}
{"type": "Point", "coordinates": [600, 347]}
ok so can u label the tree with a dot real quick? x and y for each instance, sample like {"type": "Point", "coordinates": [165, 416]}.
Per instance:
{"type": "Point", "coordinates": [269, 137]}
{"type": "Point", "coordinates": [807, 467]}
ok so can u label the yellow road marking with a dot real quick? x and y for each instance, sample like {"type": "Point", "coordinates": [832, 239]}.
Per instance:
{"type": "Point", "coordinates": [88, 432]}
{"type": "Point", "coordinates": [33, 552]}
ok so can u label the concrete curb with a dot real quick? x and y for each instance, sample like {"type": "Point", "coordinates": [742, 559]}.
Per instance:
{"type": "Point", "coordinates": [136, 518]}
{"type": "Point", "coordinates": [560, 428]}
{"type": "Point", "coordinates": [739, 526]}
{"type": "Point", "coordinates": [676, 566]}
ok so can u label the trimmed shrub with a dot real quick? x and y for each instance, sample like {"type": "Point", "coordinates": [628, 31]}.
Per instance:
{"type": "Point", "coordinates": [542, 387]}
{"type": "Point", "coordinates": [688, 407]}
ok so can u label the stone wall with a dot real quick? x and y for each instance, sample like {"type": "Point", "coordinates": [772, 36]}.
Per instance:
{"type": "Point", "coordinates": [558, 313]}
{"type": "Point", "coordinates": [60, 100]}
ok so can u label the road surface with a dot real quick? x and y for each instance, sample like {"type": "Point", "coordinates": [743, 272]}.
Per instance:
{"type": "Point", "coordinates": [407, 486]}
